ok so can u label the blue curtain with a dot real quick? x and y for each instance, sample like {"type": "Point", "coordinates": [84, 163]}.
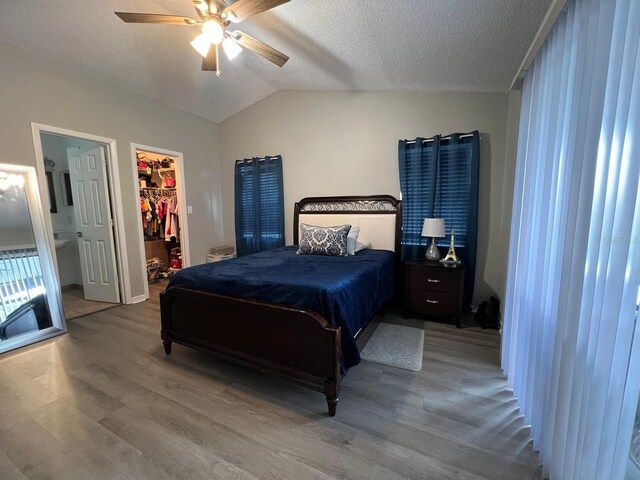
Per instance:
{"type": "Point", "coordinates": [439, 179]}
{"type": "Point", "coordinates": [259, 204]}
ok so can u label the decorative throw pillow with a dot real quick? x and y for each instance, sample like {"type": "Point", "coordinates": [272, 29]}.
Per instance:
{"type": "Point", "coordinates": [316, 240]}
{"type": "Point", "coordinates": [352, 239]}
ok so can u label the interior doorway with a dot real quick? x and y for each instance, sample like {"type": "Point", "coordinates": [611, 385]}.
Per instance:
{"type": "Point", "coordinates": [78, 177]}
{"type": "Point", "coordinates": [162, 210]}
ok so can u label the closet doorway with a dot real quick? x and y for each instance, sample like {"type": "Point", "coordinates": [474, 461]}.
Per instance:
{"type": "Point", "coordinates": [79, 196]}
{"type": "Point", "coordinates": [162, 211]}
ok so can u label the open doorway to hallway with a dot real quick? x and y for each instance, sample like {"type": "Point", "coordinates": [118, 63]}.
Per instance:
{"type": "Point", "coordinates": [79, 203]}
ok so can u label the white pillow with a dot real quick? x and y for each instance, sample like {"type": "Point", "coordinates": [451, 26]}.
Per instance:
{"type": "Point", "coordinates": [352, 240]}
{"type": "Point", "coordinates": [353, 244]}
{"type": "Point", "coordinates": [362, 246]}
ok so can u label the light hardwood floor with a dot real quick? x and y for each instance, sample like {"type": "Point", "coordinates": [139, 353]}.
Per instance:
{"type": "Point", "coordinates": [104, 402]}
{"type": "Point", "coordinates": [75, 305]}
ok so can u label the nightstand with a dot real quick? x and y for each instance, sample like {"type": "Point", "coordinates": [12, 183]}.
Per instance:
{"type": "Point", "coordinates": [432, 288]}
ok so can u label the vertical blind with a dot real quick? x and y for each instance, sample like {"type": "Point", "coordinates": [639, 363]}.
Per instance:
{"type": "Point", "coordinates": [20, 279]}
{"type": "Point", "coordinates": [259, 205]}
{"type": "Point", "coordinates": [570, 347]}
{"type": "Point", "coordinates": [439, 179]}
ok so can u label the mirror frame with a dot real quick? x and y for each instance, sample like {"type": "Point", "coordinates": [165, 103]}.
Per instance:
{"type": "Point", "coordinates": [45, 255]}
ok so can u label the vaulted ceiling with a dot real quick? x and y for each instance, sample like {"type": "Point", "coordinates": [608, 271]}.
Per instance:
{"type": "Point", "coordinates": [354, 45]}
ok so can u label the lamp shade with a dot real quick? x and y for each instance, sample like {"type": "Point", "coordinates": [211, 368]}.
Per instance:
{"type": "Point", "coordinates": [201, 44]}
{"type": "Point", "coordinates": [231, 48]}
{"type": "Point", "coordinates": [433, 227]}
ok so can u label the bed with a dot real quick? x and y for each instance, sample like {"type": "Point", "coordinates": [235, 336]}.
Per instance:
{"type": "Point", "coordinates": [307, 325]}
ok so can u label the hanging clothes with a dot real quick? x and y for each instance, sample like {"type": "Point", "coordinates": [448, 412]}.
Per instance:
{"type": "Point", "coordinates": [172, 220]}
{"type": "Point", "coordinates": [159, 213]}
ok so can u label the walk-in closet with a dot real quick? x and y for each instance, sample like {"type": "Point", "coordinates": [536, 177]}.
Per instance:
{"type": "Point", "coordinates": [159, 213]}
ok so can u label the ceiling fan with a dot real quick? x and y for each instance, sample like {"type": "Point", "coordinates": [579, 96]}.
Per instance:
{"type": "Point", "coordinates": [214, 17]}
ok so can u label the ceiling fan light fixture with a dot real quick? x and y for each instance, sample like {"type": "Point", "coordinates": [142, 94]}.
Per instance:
{"type": "Point", "coordinates": [231, 48]}
{"type": "Point", "coordinates": [214, 16]}
{"type": "Point", "coordinates": [201, 44]}
{"type": "Point", "coordinates": [201, 6]}
{"type": "Point", "coordinates": [213, 31]}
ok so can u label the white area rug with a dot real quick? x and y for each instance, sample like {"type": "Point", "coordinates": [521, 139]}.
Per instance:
{"type": "Point", "coordinates": [396, 346]}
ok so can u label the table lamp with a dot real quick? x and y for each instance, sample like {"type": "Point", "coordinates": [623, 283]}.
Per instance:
{"type": "Point", "coordinates": [433, 227]}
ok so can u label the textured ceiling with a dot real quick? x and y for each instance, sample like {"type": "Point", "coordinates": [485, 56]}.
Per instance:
{"type": "Point", "coordinates": [357, 45]}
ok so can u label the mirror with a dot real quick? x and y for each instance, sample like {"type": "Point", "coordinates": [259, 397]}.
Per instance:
{"type": "Point", "coordinates": [30, 306]}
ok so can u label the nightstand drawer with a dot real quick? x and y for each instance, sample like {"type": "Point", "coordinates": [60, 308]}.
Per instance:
{"type": "Point", "coordinates": [437, 279]}
{"type": "Point", "coordinates": [432, 302]}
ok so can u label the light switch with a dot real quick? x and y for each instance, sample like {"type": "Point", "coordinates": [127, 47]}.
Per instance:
{"type": "Point", "coordinates": [189, 209]}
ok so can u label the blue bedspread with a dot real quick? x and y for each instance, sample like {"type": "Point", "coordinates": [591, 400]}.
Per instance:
{"type": "Point", "coordinates": [346, 291]}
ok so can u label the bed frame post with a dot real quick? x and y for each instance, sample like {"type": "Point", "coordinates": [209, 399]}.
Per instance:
{"type": "Point", "coordinates": [166, 320]}
{"type": "Point", "coordinates": [332, 394]}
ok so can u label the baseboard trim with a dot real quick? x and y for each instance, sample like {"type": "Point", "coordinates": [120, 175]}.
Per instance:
{"type": "Point", "coordinates": [138, 299]}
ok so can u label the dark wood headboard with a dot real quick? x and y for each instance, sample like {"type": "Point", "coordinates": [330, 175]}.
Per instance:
{"type": "Point", "coordinates": [350, 205]}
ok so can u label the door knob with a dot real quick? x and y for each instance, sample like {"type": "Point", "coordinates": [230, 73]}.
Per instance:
{"type": "Point", "coordinates": [79, 234]}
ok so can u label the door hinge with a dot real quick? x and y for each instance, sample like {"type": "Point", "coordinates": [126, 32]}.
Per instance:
{"type": "Point", "coordinates": [111, 222]}
{"type": "Point", "coordinates": [115, 277]}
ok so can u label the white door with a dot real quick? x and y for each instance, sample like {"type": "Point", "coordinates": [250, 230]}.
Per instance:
{"type": "Point", "coordinates": [94, 225]}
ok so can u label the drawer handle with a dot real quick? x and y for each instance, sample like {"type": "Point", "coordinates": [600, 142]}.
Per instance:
{"type": "Point", "coordinates": [433, 301]}
{"type": "Point", "coordinates": [431, 280]}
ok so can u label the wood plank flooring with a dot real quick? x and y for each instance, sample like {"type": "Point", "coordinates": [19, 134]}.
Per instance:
{"type": "Point", "coordinates": [75, 305]}
{"type": "Point", "coordinates": [104, 402]}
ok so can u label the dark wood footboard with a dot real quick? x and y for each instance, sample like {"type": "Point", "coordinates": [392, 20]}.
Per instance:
{"type": "Point", "coordinates": [292, 342]}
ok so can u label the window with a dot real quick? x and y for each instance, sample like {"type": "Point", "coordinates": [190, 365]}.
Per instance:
{"type": "Point", "coordinates": [20, 279]}
{"type": "Point", "coordinates": [439, 179]}
{"type": "Point", "coordinates": [453, 188]}
{"type": "Point", "coordinates": [259, 205]}
{"type": "Point", "coordinates": [417, 168]}
{"type": "Point", "coordinates": [436, 181]}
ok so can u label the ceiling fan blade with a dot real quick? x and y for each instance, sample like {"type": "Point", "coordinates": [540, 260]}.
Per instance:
{"type": "Point", "coordinates": [245, 8]}
{"type": "Point", "coordinates": [255, 45]}
{"type": "Point", "coordinates": [155, 18]}
{"type": "Point", "coordinates": [210, 62]}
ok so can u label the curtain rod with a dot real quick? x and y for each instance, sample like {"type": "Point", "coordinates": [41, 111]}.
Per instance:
{"type": "Point", "coordinates": [260, 159]}
{"type": "Point", "coordinates": [448, 137]}
{"type": "Point", "coordinates": [549, 20]}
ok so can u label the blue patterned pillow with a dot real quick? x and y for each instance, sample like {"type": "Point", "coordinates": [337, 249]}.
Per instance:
{"type": "Point", "coordinates": [323, 240]}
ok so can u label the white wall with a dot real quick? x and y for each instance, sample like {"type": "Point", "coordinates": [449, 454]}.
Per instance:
{"type": "Point", "coordinates": [333, 143]}
{"type": "Point", "coordinates": [33, 89]}
{"type": "Point", "coordinates": [341, 143]}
